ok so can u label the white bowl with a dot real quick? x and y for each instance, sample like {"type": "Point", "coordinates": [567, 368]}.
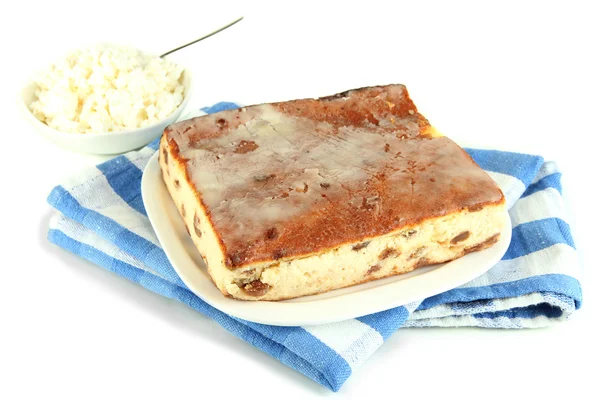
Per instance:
{"type": "Point", "coordinates": [107, 142]}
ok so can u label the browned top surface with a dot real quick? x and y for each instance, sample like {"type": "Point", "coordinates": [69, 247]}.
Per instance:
{"type": "Point", "coordinates": [295, 178]}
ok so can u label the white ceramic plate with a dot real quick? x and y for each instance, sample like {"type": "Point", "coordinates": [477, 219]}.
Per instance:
{"type": "Point", "coordinates": [337, 305]}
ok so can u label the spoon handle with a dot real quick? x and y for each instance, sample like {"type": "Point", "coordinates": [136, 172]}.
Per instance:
{"type": "Point", "coordinates": [203, 37]}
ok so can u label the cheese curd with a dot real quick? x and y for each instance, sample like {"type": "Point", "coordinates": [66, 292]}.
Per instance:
{"type": "Point", "coordinates": [107, 89]}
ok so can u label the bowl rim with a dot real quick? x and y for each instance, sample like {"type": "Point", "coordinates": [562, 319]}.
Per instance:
{"type": "Point", "coordinates": [188, 85]}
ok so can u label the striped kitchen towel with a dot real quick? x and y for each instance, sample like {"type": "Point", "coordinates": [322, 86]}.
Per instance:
{"type": "Point", "coordinates": [101, 217]}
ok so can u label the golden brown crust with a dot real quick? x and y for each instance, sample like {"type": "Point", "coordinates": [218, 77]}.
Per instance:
{"type": "Point", "coordinates": [423, 177]}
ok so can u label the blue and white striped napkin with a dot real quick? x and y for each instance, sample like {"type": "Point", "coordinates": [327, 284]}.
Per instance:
{"type": "Point", "coordinates": [100, 217]}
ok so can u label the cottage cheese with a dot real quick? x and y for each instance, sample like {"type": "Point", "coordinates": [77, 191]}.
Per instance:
{"type": "Point", "coordinates": [107, 89]}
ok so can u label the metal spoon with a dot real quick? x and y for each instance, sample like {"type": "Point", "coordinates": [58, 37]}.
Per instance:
{"type": "Point", "coordinates": [203, 37]}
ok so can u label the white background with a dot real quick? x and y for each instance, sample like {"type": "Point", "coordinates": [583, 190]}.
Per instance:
{"type": "Point", "coordinates": [519, 76]}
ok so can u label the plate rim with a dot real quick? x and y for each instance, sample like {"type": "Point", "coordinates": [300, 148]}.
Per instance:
{"type": "Point", "coordinates": [283, 313]}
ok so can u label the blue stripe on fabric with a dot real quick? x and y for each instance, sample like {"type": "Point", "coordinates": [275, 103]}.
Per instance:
{"type": "Point", "coordinates": [155, 144]}
{"type": "Point", "coordinates": [550, 181]}
{"type": "Point", "coordinates": [126, 181]}
{"type": "Point", "coordinates": [386, 322]}
{"type": "Point", "coordinates": [158, 285]}
{"type": "Point", "coordinates": [140, 248]}
{"type": "Point", "coordinates": [300, 342]}
{"type": "Point", "coordinates": [94, 255]}
{"type": "Point", "coordinates": [303, 352]}
{"type": "Point", "coordinates": [522, 166]}
{"type": "Point", "coordinates": [320, 356]}
{"type": "Point", "coordinates": [59, 195]}
{"type": "Point", "coordinates": [222, 106]}
{"type": "Point", "coordinates": [473, 306]}
{"type": "Point", "coordinates": [556, 283]}
{"type": "Point", "coordinates": [532, 311]}
{"type": "Point", "coordinates": [537, 235]}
